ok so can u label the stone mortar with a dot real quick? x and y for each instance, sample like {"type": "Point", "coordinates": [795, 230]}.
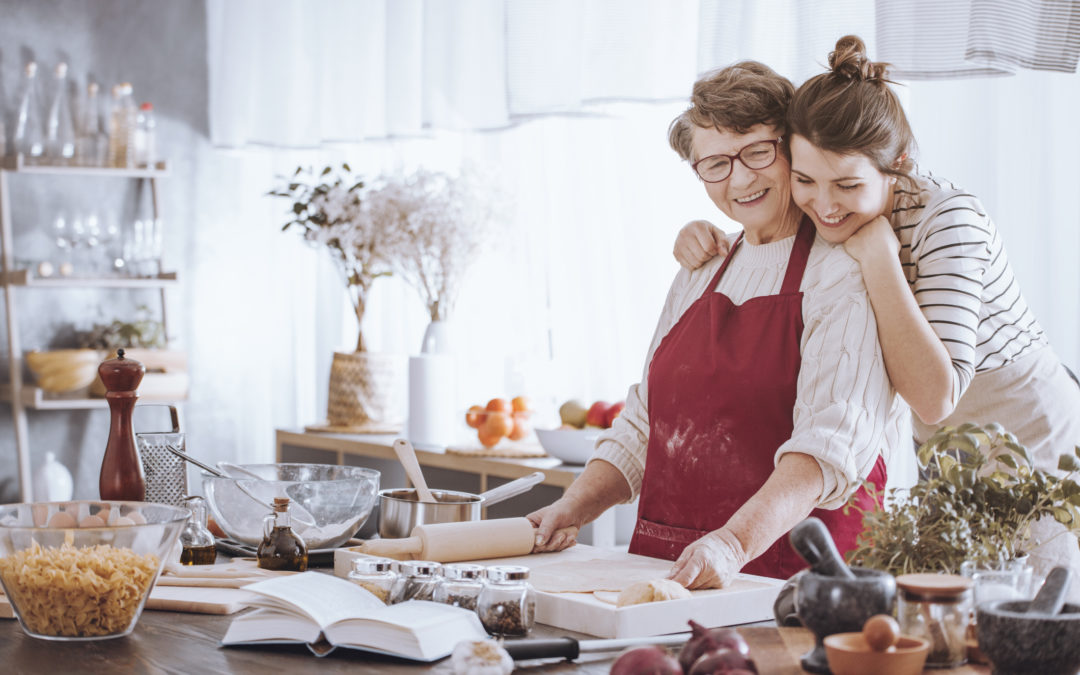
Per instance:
{"type": "Point", "coordinates": [1016, 642]}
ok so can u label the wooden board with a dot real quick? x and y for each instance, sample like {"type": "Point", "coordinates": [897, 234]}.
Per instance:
{"type": "Point", "coordinates": [198, 600]}
{"type": "Point", "coordinates": [750, 600]}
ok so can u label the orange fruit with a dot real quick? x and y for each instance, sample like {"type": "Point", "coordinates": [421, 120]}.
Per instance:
{"type": "Point", "coordinates": [488, 440]}
{"type": "Point", "coordinates": [499, 405]}
{"type": "Point", "coordinates": [497, 424]}
{"type": "Point", "coordinates": [521, 427]}
{"type": "Point", "coordinates": [475, 416]}
{"type": "Point", "coordinates": [521, 404]}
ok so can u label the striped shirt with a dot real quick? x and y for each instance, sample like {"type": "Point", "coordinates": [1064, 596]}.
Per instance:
{"type": "Point", "coordinates": [957, 268]}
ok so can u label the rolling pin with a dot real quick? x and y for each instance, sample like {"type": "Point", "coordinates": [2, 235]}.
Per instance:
{"type": "Point", "coordinates": [453, 542]}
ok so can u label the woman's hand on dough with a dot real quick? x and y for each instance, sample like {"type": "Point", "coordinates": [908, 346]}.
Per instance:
{"type": "Point", "coordinates": [698, 242]}
{"type": "Point", "coordinates": [873, 243]}
{"type": "Point", "coordinates": [556, 526]}
{"type": "Point", "coordinates": [710, 562]}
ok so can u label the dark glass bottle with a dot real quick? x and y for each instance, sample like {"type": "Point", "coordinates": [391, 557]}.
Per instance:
{"type": "Point", "coordinates": [281, 548]}
{"type": "Point", "coordinates": [121, 471]}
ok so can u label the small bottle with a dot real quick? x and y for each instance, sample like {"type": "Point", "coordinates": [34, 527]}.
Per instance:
{"type": "Point", "coordinates": [145, 137]}
{"type": "Point", "coordinates": [196, 539]}
{"type": "Point", "coordinates": [29, 138]}
{"type": "Point", "coordinates": [281, 548]}
{"type": "Point", "coordinates": [53, 482]}
{"type": "Point", "coordinates": [375, 575]}
{"type": "Point", "coordinates": [418, 580]}
{"type": "Point", "coordinates": [59, 128]}
{"type": "Point", "coordinates": [121, 126]}
{"type": "Point", "coordinates": [92, 141]}
{"type": "Point", "coordinates": [460, 586]}
{"type": "Point", "coordinates": [507, 605]}
{"type": "Point", "coordinates": [936, 607]}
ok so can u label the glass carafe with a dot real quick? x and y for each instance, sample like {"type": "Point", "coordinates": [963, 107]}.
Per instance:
{"type": "Point", "coordinates": [196, 539]}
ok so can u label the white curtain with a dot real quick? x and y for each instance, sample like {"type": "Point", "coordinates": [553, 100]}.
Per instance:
{"type": "Point", "coordinates": [569, 101]}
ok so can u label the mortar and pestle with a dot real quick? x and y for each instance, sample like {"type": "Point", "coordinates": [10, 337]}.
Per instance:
{"type": "Point", "coordinates": [1038, 636]}
{"type": "Point", "coordinates": [832, 597]}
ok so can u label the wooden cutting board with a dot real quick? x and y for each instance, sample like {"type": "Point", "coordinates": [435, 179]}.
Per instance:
{"type": "Point", "coordinates": [180, 599]}
{"type": "Point", "coordinates": [749, 599]}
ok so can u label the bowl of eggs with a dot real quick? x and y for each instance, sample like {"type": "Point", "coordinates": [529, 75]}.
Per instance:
{"type": "Point", "coordinates": [82, 570]}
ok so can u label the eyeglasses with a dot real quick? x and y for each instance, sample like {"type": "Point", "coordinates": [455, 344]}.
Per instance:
{"type": "Point", "coordinates": [757, 155]}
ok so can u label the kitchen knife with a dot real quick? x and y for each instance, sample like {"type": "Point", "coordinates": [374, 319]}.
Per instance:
{"type": "Point", "coordinates": [570, 648]}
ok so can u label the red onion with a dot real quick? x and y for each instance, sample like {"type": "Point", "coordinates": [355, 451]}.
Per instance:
{"type": "Point", "coordinates": [721, 661]}
{"type": "Point", "coordinates": [710, 639]}
{"type": "Point", "coordinates": [646, 661]}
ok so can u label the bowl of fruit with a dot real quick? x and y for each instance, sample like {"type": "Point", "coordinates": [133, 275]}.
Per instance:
{"type": "Point", "coordinates": [573, 442]}
{"type": "Point", "coordinates": [501, 419]}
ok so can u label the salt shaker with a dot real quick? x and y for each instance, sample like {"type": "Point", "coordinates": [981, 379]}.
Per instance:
{"type": "Point", "coordinates": [418, 580]}
{"type": "Point", "coordinates": [376, 575]}
{"type": "Point", "coordinates": [507, 605]}
{"type": "Point", "coordinates": [936, 607]}
{"type": "Point", "coordinates": [461, 585]}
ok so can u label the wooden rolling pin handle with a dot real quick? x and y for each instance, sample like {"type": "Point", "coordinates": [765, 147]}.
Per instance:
{"type": "Point", "coordinates": [399, 549]}
{"type": "Point", "coordinates": [475, 540]}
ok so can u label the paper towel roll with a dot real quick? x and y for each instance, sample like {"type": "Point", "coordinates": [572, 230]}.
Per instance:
{"type": "Point", "coordinates": [433, 413]}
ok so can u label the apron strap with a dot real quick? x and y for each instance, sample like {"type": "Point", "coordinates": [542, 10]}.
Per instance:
{"type": "Point", "coordinates": [723, 266]}
{"type": "Point", "coordinates": [800, 252]}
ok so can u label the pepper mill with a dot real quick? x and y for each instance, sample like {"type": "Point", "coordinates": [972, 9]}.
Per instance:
{"type": "Point", "coordinates": [121, 471]}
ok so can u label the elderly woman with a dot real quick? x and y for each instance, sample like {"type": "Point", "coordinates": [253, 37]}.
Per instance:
{"type": "Point", "coordinates": [765, 397]}
{"type": "Point", "coordinates": [960, 342]}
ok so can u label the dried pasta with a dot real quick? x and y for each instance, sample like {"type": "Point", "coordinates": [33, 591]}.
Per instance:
{"type": "Point", "coordinates": [77, 592]}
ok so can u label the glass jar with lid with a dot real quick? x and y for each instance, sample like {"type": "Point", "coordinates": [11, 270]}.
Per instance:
{"type": "Point", "coordinates": [376, 575]}
{"type": "Point", "coordinates": [507, 605]}
{"type": "Point", "coordinates": [461, 585]}
{"type": "Point", "coordinates": [417, 581]}
{"type": "Point", "coordinates": [937, 608]}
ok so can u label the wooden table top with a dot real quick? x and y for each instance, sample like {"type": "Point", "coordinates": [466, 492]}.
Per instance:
{"type": "Point", "coordinates": [171, 642]}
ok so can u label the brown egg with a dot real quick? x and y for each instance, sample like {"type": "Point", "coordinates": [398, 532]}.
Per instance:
{"type": "Point", "coordinates": [881, 632]}
{"type": "Point", "coordinates": [62, 519]}
{"type": "Point", "coordinates": [124, 520]}
{"type": "Point", "coordinates": [41, 514]}
{"type": "Point", "coordinates": [137, 518]}
{"type": "Point", "coordinates": [92, 521]}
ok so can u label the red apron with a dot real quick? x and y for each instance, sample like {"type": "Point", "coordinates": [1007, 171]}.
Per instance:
{"type": "Point", "coordinates": [721, 396]}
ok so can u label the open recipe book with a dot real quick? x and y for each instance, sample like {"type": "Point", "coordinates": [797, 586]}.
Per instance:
{"type": "Point", "coordinates": [325, 612]}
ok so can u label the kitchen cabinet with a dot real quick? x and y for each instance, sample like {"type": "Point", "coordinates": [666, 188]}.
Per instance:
{"type": "Point", "coordinates": [17, 393]}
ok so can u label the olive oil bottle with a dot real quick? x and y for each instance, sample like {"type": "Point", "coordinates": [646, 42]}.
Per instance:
{"type": "Point", "coordinates": [281, 548]}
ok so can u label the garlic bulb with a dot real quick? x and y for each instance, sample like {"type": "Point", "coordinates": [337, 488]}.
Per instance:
{"type": "Point", "coordinates": [481, 657]}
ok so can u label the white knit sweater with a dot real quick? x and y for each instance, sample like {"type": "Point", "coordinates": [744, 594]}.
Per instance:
{"type": "Point", "coordinates": [846, 411]}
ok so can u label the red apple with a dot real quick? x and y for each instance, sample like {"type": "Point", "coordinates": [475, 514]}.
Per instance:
{"type": "Point", "coordinates": [597, 414]}
{"type": "Point", "coordinates": [611, 413]}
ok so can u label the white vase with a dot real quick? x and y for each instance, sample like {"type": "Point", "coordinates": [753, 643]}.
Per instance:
{"type": "Point", "coordinates": [433, 412]}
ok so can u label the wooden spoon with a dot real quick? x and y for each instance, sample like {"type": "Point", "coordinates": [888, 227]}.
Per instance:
{"type": "Point", "coordinates": [406, 454]}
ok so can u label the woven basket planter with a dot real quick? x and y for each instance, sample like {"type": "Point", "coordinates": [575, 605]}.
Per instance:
{"type": "Point", "coordinates": [367, 391]}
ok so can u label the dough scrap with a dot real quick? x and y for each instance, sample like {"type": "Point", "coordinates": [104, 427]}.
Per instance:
{"type": "Point", "coordinates": [654, 590]}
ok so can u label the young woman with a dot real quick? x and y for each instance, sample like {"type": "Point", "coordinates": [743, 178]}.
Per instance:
{"type": "Point", "coordinates": [960, 343]}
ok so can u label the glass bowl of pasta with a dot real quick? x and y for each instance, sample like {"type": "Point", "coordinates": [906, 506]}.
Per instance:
{"type": "Point", "coordinates": [82, 570]}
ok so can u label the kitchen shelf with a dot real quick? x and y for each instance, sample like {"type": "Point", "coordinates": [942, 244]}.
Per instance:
{"type": "Point", "coordinates": [18, 164]}
{"type": "Point", "coordinates": [24, 278]}
{"type": "Point", "coordinates": [36, 398]}
{"type": "Point", "coordinates": [19, 395]}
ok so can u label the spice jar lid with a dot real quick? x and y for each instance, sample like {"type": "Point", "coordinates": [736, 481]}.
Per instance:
{"type": "Point", "coordinates": [934, 584]}
{"type": "Point", "coordinates": [420, 568]}
{"type": "Point", "coordinates": [369, 565]}
{"type": "Point", "coordinates": [463, 571]}
{"type": "Point", "coordinates": [507, 573]}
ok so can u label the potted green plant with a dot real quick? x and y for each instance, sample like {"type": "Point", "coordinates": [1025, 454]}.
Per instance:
{"type": "Point", "coordinates": [976, 501]}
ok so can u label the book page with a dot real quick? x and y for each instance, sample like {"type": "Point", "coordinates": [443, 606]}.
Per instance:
{"type": "Point", "coordinates": [271, 625]}
{"type": "Point", "coordinates": [325, 598]}
{"type": "Point", "coordinates": [416, 629]}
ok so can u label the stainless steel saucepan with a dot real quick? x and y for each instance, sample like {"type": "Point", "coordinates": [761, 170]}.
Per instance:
{"type": "Point", "coordinates": [400, 510]}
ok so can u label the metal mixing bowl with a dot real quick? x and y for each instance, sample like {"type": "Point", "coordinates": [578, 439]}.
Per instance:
{"type": "Point", "coordinates": [338, 499]}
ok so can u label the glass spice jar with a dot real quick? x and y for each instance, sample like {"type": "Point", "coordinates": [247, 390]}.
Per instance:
{"type": "Point", "coordinates": [376, 575]}
{"type": "Point", "coordinates": [936, 607]}
{"type": "Point", "coordinates": [461, 585]}
{"type": "Point", "coordinates": [507, 605]}
{"type": "Point", "coordinates": [417, 581]}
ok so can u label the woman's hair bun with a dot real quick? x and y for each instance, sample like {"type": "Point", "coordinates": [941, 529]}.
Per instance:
{"type": "Point", "coordinates": [850, 62]}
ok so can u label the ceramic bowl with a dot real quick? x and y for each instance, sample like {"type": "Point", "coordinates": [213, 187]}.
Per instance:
{"type": "Point", "coordinates": [338, 498]}
{"type": "Point", "coordinates": [573, 446]}
{"type": "Point", "coordinates": [848, 654]}
{"type": "Point", "coordinates": [82, 570]}
{"type": "Point", "coordinates": [1016, 642]}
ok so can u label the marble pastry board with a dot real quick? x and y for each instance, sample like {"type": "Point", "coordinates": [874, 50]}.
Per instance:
{"type": "Point", "coordinates": [749, 599]}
